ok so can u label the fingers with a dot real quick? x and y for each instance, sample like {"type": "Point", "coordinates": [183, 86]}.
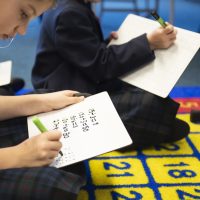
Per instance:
{"type": "Point", "coordinates": [54, 146]}
{"type": "Point", "coordinates": [114, 35]}
{"type": "Point", "coordinates": [53, 140]}
{"type": "Point", "coordinates": [73, 100]}
{"type": "Point", "coordinates": [45, 155]}
{"type": "Point", "coordinates": [170, 30]}
{"type": "Point", "coordinates": [169, 36]}
{"type": "Point", "coordinates": [173, 35]}
{"type": "Point", "coordinates": [52, 155]}
{"type": "Point", "coordinates": [53, 135]}
{"type": "Point", "coordinates": [69, 93]}
{"type": "Point", "coordinates": [46, 160]}
{"type": "Point", "coordinates": [49, 150]}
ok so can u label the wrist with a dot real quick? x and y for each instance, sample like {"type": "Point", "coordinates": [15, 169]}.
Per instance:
{"type": "Point", "coordinates": [6, 161]}
{"type": "Point", "coordinates": [150, 39]}
{"type": "Point", "coordinates": [20, 155]}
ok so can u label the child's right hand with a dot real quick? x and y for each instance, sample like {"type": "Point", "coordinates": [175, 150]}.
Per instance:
{"type": "Point", "coordinates": [162, 38]}
{"type": "Point", "coordinates": [39, 150]}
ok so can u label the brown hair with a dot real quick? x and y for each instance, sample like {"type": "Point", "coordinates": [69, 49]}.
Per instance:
{"type": "Point", "coordinates": [55, 2]}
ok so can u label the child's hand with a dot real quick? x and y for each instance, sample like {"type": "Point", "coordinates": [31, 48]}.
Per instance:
{"type": "Point", "coordinates": [51, 101]}
{"type": "Point", "coordinates": [162, 38]}
{"type": "Point", "coordinates": [39, 150]}
{"type": "Point", "coordinates": [57, 100]}
{"type": "Point", "coordinates": [113, 35]}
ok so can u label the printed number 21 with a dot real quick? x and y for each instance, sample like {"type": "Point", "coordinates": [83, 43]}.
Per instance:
{"type": "Point", "coordinates": [124, 166]}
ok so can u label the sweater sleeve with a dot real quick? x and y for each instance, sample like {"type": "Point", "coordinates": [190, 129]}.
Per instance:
{"type": "Point", "coordinates": [77, 41]}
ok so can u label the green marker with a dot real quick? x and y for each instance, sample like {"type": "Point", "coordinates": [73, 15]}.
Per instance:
{"type": "Point", "coordinates": [39, 124]}
{"type": "Point", "coordinates": [41, 127]}
{"type": "Point", "coordinates": [158, 19]}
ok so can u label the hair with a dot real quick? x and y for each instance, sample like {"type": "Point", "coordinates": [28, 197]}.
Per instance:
{"type": "Point", "coordinates": [54, 3]}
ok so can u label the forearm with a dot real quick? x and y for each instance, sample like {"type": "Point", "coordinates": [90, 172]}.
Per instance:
{"type": "Point", "coordinates": [117, 60]}
{"type": "Point", "coordinates": [17, 106]}
{"type": "Point", "coordinates": [130, 56]}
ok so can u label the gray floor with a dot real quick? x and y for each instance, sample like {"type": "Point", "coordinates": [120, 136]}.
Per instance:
{"type": "Point", "coordinates": [22, 51]}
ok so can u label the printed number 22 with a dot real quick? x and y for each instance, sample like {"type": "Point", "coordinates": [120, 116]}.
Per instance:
{"type": "Point", "coordinates": [116, 196]}
{"type": "Point", "coordinates": [184, 195]}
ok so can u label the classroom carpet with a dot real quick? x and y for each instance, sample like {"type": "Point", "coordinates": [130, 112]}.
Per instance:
{"type": "Point", "coordinates": [163, 172]}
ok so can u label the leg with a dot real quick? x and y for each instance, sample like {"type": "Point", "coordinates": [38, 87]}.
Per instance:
{"type": "Point", "coordinates": [39, 184]}
{"type": "Point", "coordinates": [149, 119]}
{"type": "Point", "coordinates": [195, 116]}
{"type": "Point", "coordinates": [10, 89]}
{"type": "Point", "coordinates": [13, 131]}
{"type": "Point", "coordinates": [6, 91]}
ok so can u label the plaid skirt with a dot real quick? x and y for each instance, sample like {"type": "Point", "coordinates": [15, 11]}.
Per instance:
{"type": "Point", "coordinates": [148, 118]}
{"type": "Point", "coordinates": [37, 183]}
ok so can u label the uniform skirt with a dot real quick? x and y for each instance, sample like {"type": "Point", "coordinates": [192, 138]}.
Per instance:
{"type": "Point", "coordinates": [148, 118]}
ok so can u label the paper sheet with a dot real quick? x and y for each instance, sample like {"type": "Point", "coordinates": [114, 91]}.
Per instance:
{"type": "Point", "coordinates": [5, 72]}
{"type": "Point", "coordinates": [89, 128]}
{"type": "Point", "coordinates": [159, 76]}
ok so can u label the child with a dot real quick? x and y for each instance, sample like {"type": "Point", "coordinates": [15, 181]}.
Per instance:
{"type": "Point", "coordinates": [24, 171]}
{"type": "Point", "coordinates": [72, 54]}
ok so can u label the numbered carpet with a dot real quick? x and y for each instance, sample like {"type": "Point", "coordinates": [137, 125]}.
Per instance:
{"type": "Point", "coordinates": [164, 172]}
